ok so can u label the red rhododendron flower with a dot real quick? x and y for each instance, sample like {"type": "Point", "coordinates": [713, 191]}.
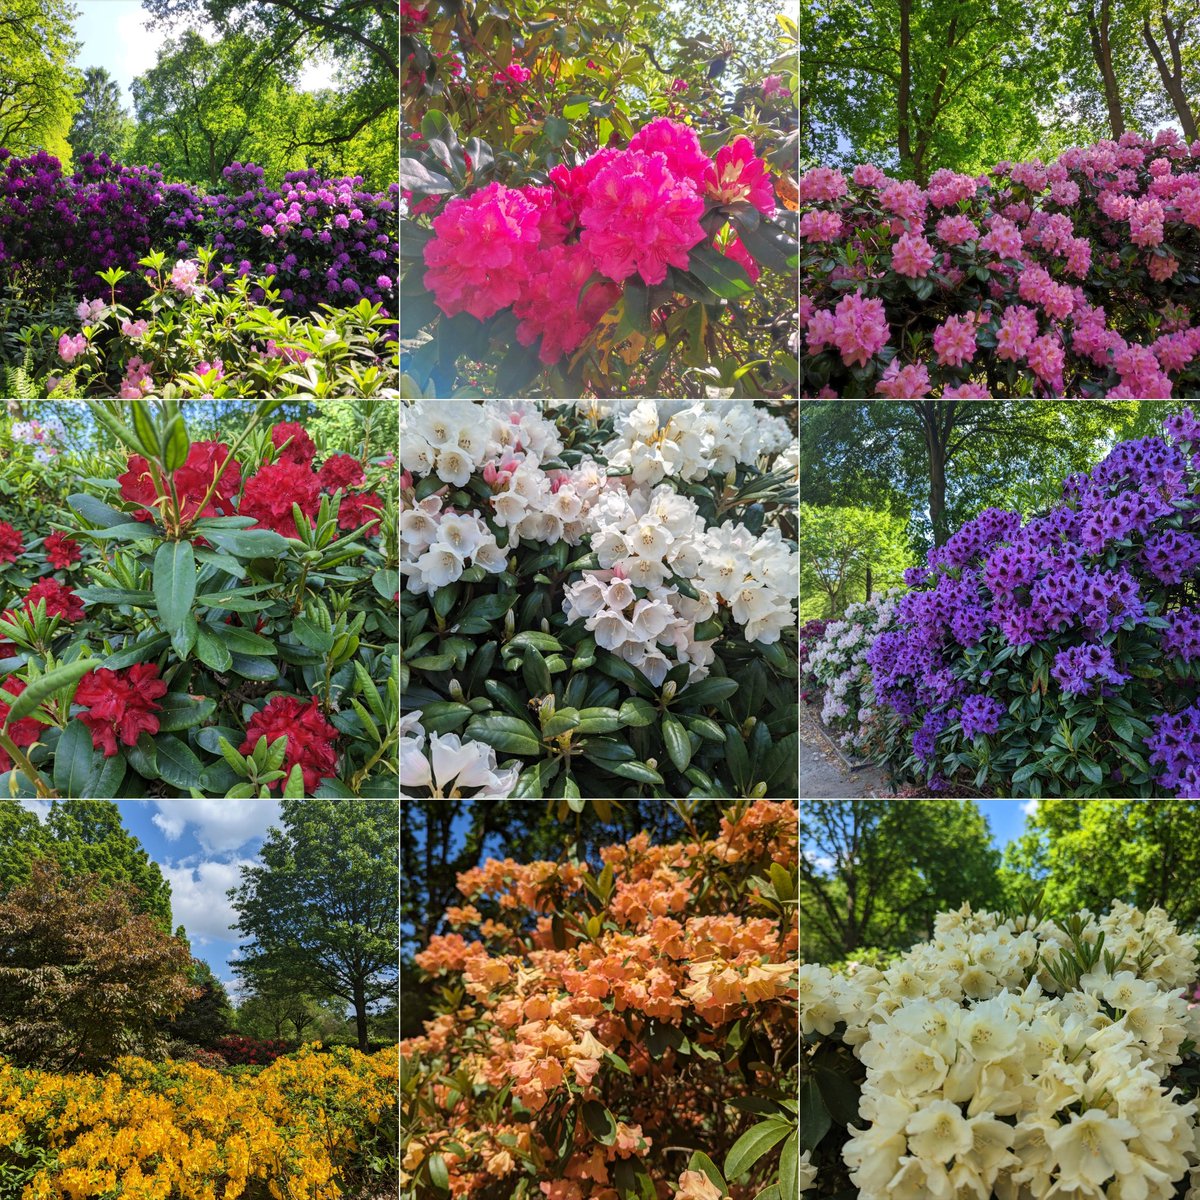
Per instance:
{"type": "Point", "coordinates": [11, 543]}
{"type": "Point", "coordinates": [60, 600]}
{"type": "Point", "coordinates": [120, 703]}
{"type": "Point", "coordinates": [142, 484]}
{"type": "Point", "coordinates": [739, 175]}
{"type": "Point", "coordinates": [548, 306]}
{"type": "Point", "coordinates": [301, 450]}
{"type": "Point", "coordinates": [340, 471]}
{"type": "Point", "coordinates": [310, 738]}
{"type": "Point", "coordinates": [357, 509]}
{"type": "Point", "coordinates": [61, 551]}
{"type": "Point", "coordinates": [639, 217]}
{"type": "Point", "coordinates": [24, 732]}
{"type": "Point", "coordinates": [480, 256]}
{"type": "Point", "coordinates": [270, 493]}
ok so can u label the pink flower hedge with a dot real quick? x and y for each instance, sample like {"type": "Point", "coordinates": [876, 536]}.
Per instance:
{"type": "Point", "coordinates": [1077, 278]}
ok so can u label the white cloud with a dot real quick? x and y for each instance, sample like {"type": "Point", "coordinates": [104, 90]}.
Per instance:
{"type": "Point", "coordinates": [823, 862]}
{"type": "Point", "coordinates": [218, 824]}
{"type": "Point", "coordinates": [198, 899]}
{"type": "Point", "coordinates": [1029, 807]}
{"type": "Point", "coordinates": [40, 808]}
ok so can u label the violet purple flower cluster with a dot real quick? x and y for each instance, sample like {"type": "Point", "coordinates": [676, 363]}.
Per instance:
{"type": "Point", "coordinates": [325, 241]}
{"type": "Point", "coordinates": [1104, 561]}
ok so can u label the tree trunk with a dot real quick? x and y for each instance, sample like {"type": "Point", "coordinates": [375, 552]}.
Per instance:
{"type": "Point", "coordinates": [1172, 77]}
{"type": "Point", "coordinates": [936, 440]}
{"type": "Point", "coordinates": [1102, 53]}
{"type": "Point", "coordinates": [868, 596]}
{"type": "Point", "coordinates": [360, 1014]}
{"type": "Point", "coordinates": [904, 99]}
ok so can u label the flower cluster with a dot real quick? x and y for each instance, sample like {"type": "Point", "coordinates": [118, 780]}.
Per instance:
{"type": "Point", "coordinates": [620, 213]}
{"type": "Point", "coordinates": [1175, 743]}
{"type": "Point", "coordinates": [1082, 1108]}
{"type": "Point", "coordinates": [448, 764]}
{"type": "Point", "coordinates": [45, 436]}
{"type": "Point", "coordinates": [120, 705]}
{"type": "Point", "coordinates": [1022, 270]}
{"type": "Point", "coordinates": [310, 738]}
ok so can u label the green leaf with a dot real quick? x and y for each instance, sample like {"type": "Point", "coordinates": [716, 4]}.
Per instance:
{"type": "Point", "coordinates": [721, 275]}
{"type": "Point", "coordinates": [701, 1162]}
{"type": "Point", "coordinates": [243, 641]}
{"type": "Point", "coordinates": [132, 531]}
{"type": "Point", "coordinates": [675, 737]}
{"type": "Point", "coordinates": [444, 716]}
{"type": "Point", "coordinates": [249, 667]}
{"type": "Point", "coordinates": [756, 1141]}
{"type": "Point", "coordinates": [563, 720]}
{"type": "Point", "coordinates": [535, 672]}
{"type": "Point", "coordinates": [618, 1062]}
{"type": "Point", "coordinates": [518, 369]}
{"type": "Point", "coordinates": [705, 728]}
{"type": "Point", "coordinates": [707, 691]}
{"type": "Point", "coordinates": [542, 642]}
{"type": "Point", "coordinates": [181, 711]}
{"type": "Point", "coordinates": [438, 1175]}
{"type": "Point", "coordinates": [575, 804]}
{"type": "Point", "coordinates": [176, 762]}
{"type": "Point", "coordinates": [174, 582]}
{"type": "Point", "coordinates": [293, 789]}
{"type": "Point", "coordinates": [814, 1116]}
{"type": "Point", "coordinates": [599, 720]}
{"type": "Point", "coordinates": [140, 651]}
{"type": "Point", "coordinates": [707, 630]}
{"type": "Point", "coordinates": [556, 130]}
{"type": "Point", "coordinates": [96, 513]}
{"type": "Point", "coordinates": [503, 695]}
{"type": "Point", "coordinates": [638, 772]}
{"type": "Point", "coordinates": [771, 247]}
{"type": "Point", "coordinates": [106, 775]}
{"type": "Point", "coordinates": [600, 1122]}
{"type": "Point", "coordinates": [73, 761]}
{"type": "Point", "coordinates": [249, 543]}
{"type": "Point", "coordinates": [210, 649]}
{"type": "Point", "coordinates": [510, 735]}
{"type": "Point", "coordinates": [637, 712]}
{"type": "Point", "coordinates": [175, 443]}
{"type": "Point", "coordinates": [45, 687]}
{"type": "Point", "coordinates": [144, 430]}
{"type": "Point", "coordinates": [789, 1168]}
{"type": "Point", "coordinates": [183, 640]}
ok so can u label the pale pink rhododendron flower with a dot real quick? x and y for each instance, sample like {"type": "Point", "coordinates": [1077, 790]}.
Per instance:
{"type": "Point", "coordinates": [137, 381]}
{"type": "Point", "coordinates": [70, 348]}
{"type": "Point", "coordinates": [822, 183]}
{"type": "Point", "coordinates": [967, 391]}
{"type": "Point", "coordinates": [820, 225]}
{"type": "Point", "coordinates": [134, 329]}
{"type": "Point", "coordinates": [956, 230]}
{"type": "Point", "coordinates": [479, 259]}
{"type": "Point", "coordinates": [859, 328]}
{"type": "Point", "coordinates": [89, 310]}
{"type": "Point", "coordinates": [954, 341]}
{"type": "Point", "coordinates": [740, 176]}
{"type": "Point", "coordinates": [184, 275]}
{"type": "Point", "coordinates": [773, 85]}
{"type": "Point", "coordinates": [640, 218]}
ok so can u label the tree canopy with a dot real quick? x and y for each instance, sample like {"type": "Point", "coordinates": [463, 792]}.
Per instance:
{"type": "Point", "coordinates": [846, 554]}
{"type": "Point", "coordinates": [37, 82]}
{"type": "Point", "coordinates": [101, 125]}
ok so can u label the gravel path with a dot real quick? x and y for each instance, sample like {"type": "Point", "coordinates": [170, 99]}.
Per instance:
{"type": "Point", "coordinates": [823, 772]}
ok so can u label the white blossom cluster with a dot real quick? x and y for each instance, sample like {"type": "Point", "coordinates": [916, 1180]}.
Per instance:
{"type": "Point", "coordinates": [755, 574]}
{"type": "Point", "coordinates": [451, 438]}
{"type": "Point", "coordinates": [985, 1078]}
{"type": "Point", "coordinates": [687, 441]}
{"type": "Point", "coordinates": [437, 546]}
{"type": "Point", "coordinates": [44, 434]}
{"type": "Point", "coordinates": [839, 663]}
{"type": "Point", "coordinates": [448, 765]}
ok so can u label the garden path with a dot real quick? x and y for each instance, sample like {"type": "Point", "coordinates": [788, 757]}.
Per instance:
{"type": "Point", "coordinates": [823, 771]}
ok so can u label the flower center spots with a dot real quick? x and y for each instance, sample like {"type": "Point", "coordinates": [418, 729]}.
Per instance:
{"type": "Point", "coordinates": [647, 537]}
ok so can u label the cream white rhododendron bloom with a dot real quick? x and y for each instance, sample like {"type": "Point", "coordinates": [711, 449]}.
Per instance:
{"type": "Point", "coordinates": [989, 1076]}
{"type": "Point", "coordinates": [449, 767]}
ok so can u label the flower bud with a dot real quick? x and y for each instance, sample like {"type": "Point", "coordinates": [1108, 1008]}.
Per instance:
{"type": "Point", "coordinates": [510, 625]}
{"type": "Point", "coordinates": [760, 790]}
{"type": "Point", "coordinates": [456, 692]}
{"type": "Point", "coordinates": [652, 763]}
{"type": "Point", "coordinates": [545, 625]}
{"type": "Point", "coordinates": [669, 689]}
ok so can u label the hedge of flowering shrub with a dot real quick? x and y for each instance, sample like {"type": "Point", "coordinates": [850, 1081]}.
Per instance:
{"type": "Point", "coordinates": [324, 241]}
{"type": "Point", "coordinates": [628, 1034]}
{"type": "Point", "coordinates": [240, 1050]}
{"type": "Point", "coordinates": [598, 601]}
{"type": "Point", "coordinates": [1060, 656]}
{"type": "Point", "coordinates": [214, 620]}
{"type": "Point", "coordinates": [1008, 1057]}
{"type": "Point", "coordinates": [312, 1126]}
{"type": "Point", "coordinates": [811, 633]}
{"type": "Point", "coordinates": [1079, 278]}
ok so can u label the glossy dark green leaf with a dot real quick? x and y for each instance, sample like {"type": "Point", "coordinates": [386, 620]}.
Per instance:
{"type": "Point", "coordinates": [637, 712]}
{"type": "Point", "coordinates": [721, 275]}
{"type": "Point", "coordinates": [707, 691]}
{"type": "Point", "coordinates": [675, 738]}
{"type": "Point", "coordinates": [211, 651]}
{"type": "Point", "coordinates": [444, 716]}
{"type": "Point", "coordinates": [599, 720]}
{"type": "Point", "coordinates": [179, 710]}
{"type": "Point", "coordinates": [600, 1122]}
{"type": "Point", "coordinates": [243, 641]}
{"type": "Point", "coordinates": [542, 642]}
{"type": "Point", "coordinates": [509, 735]}
{"type": "Point", "coordinates": [73, 761]}
{"type": "Point", "coordinates": [638, 772]}
{"type": "Point", "coordinates": [174, 582]}
{"type": "Point", "coordinates": [177, 764]}
{"type": "Point", "coordinates": [756, 1141]}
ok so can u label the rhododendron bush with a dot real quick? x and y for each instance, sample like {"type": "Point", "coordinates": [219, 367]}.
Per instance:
{"type": "Point", "coordinates": [213, 619]}
{"type": "Point", "coordinates": [1011, 1056]}
{"type": "Point", "coordinates": [1056, 655]}
{"type": "Point", "coordinates": [1080, 277]}
{"type": "Point", "coordinates": [640, 243]}
{"type": "Point", "coordinates": [598, 600]}
{"type": "Point", "coordinates": [630, 1032]}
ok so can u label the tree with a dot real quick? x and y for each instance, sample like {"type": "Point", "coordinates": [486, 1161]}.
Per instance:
{"type": "Point", "coordinates": [101, 124]}
{"type": "Point", "coordinates": [1085, 855]}
{"type": "Point", "coordinates": [206, 1017]}
{"type": "Point", "coordinates": [84, 837]}
{"type": "Point", "coordinates": [37, 83]}
{"type": "Point", "coordinates": [84, 976]}
{"type": "Point", "coordinates": [275, 1009]}
{"type": "Point", "coordinates": [846, 552]}
{"type": "Point", "coordinates": [321, 910]}
{"type": "Point", "coordinates": [875, 873]}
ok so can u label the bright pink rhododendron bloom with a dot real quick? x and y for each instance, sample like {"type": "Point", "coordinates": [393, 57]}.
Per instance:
{"type": "Point", "coordinates": [903, 383]}
{"type": "Point", "coordinates": [859, 328]}
{"type": "Point", "coordinates": [1018, 328]}
{"type": "Point", "coordinates": [70, 348]}
{"type": "Point", "coordinates": [734, 249]}
{"type": "Point", "coordinates": [956, 230]}
{"type": "Point", "coordinates": [513, 73]}
{"type": "Point", "coordinates": [1045, 359]}
{"type": "Point", "coordinates": [640, 218]}
{"type": "Point", "coordinates": [549, 306]}
{"type": "Point", "coordinates": [740, 176]}
{"type": "Point", "coordinates": [137, 381]}
{"type": "Point", "coordinates": [679, 145]}
{"type": "Point", "coordinates": [479, 259]}
{"type": "Point", "coordinates": [912, 255]}
{"type": "Point", "coordinates": [822, 183]}
{"type": "Point", "coordinates": [773, 85]}
{"type": "Point", "coordinates": [954, 341]}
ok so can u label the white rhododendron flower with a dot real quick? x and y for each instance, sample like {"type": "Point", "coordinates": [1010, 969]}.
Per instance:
{"type": "Point", "coordinates": [447, 767]}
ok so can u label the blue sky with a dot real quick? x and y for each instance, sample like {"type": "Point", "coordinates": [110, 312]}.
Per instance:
{"type": "Point", "coordinates": [200, 846]}
{"type": "Point", "coordinates": [1005, 817]}
{"type": "Point", "coordinates": [115, 35]}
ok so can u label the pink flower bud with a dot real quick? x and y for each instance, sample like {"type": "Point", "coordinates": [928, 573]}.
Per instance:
{"type": "Point", "coordinates": [489, 473]}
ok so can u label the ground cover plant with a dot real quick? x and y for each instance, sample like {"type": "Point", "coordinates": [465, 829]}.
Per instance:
{"type": "Point", "coordinates": [631, 1028]}
{"type": "Point", "coordinates": [198, 618]}
{"type": "Point", "coordinates": [598, 600]}
{"type": "Point", "coordinates": [639, 218]}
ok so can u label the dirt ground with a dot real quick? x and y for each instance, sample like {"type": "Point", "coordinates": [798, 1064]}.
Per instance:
{"type": "Point", "coordinates": [823, 773]}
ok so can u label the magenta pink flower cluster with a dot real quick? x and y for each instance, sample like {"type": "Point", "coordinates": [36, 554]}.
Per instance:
{"type": "Point", "coordinates": [325, 241]}
{"type": "Point", "coordinates": [1077, 278]}
{"type": "Point", "coordinates": [621, 213]}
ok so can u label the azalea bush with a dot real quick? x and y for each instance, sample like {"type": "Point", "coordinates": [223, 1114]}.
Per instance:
{"type": "Point", "coordinates": [598, 600]}
{"type": "Point", "coordinates": [627, 1033]}
{"type": "Point", "coordinates": [313, 1126]}
{"type": "Point", "coordinates": [1059, 655]}
{"type": "Point", "coordinates": [1076, 278]}
{"type": "Point", "coordinates": [211, 619]}
{"type": "Point", "coordinates": [1009, 1056]}
{"type": "Point", "coordinates": [576, 228]}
